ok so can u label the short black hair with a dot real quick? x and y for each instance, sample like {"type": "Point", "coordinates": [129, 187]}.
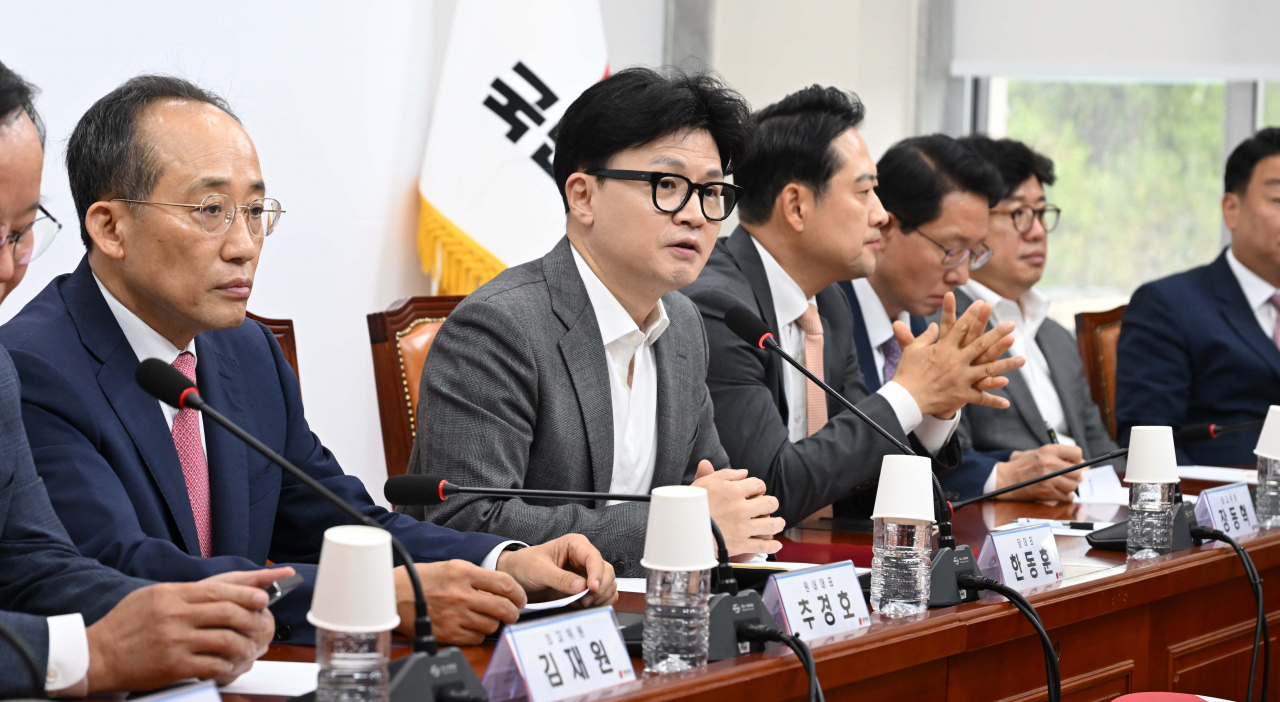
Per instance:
{"type": "Point", "coordinates": [916, 173]}
{"type": "Point", "coordinates": [1240, 165]}
{"type": "Point", "coordinates": [18, 96]}
{"type": "Point", "coordinates": [107, 158]}
{"type": "Point", "coordinates": [1015, 160]}
{"type": "Point", "coordinates": [791, 143]}
{"type": "Point", "coordinates": [638, 105]}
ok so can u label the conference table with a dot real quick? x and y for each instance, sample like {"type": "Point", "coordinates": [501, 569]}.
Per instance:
{"type": "Point", "coordinates": [1182, 622]}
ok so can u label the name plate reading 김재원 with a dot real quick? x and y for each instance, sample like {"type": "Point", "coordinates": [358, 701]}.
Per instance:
{"type": "Point", "coordinates": [559, 657]}
{"type": "Point", "coordinates": [1021, 558]}
{"type": "Point", "coordinates": [1228, 509]}
{"type": "Point", "coordinates": [817, 602]}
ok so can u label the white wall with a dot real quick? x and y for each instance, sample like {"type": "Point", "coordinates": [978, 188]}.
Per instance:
{"type": "Point", "coordinates": [337, 98]}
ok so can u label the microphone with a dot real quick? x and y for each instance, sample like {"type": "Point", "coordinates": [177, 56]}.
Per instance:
{"type": "Point", "coordinates": [439, 674]}
{"type": "Point", "coordinates": [1199, 433]}
{"type": "Point", "coordinates": [730, 608]}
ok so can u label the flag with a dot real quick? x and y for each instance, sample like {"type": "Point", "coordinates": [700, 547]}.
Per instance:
{"type": "Point", "coordinates": [488, 196]}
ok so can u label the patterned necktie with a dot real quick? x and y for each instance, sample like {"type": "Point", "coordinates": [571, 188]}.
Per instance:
{"type": "Point", "coordinates": [815, 399]}
{"type": "Point", "coordinates": [892, 355]}
{"type": "Point", "coordinates": [1275, 302]}
{"type": "Point", "coordinates": [195, 467]}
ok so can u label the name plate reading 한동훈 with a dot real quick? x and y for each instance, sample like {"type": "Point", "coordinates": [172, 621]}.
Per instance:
{"type": "Point", "coordinates": [559, 657]}
{"type": "Point", "coordinates": [1228, 509]}
{"type": "Point", "coordinates": [818, 602]}
{"type": "Point", "coordinates": [1021, 558]}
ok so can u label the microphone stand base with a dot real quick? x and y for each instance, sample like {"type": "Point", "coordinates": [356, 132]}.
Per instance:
{"type": "Point", "coordinates": [422, 677]}
{"type": "Point", "coordinates": [944, 576]}
{"type": "Point", "coordinates": [727, 612]}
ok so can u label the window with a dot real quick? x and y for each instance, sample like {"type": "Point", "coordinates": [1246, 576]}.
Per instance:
{"type": "Point", "coordinates": [1139, 180]}
{"type": "Point", "coordinates": [1271, 104]}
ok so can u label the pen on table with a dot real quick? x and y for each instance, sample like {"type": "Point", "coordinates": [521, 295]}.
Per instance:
{"type": "Point", "coordinates": [1090, 526]}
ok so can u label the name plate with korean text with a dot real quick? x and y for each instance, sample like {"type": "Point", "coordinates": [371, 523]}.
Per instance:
{"type": "Point", "coordinates": [818, 602]}
{"type": "Point", "coordinates": [1228, 509]}
{"type": "Point", "coordinates": [560, 657]}
{"type": "Point", "coordinates": [1021, 558]}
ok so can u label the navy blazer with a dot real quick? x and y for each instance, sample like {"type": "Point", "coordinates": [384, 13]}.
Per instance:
{"type": "Point", "coordinates": [863, 343]}
{"type": "Point", "coordinates": [107, 455]}
{"type": "Point", "coordinates": [41, 574]}
{"type": "Point", "coordinates": [1191, 352]}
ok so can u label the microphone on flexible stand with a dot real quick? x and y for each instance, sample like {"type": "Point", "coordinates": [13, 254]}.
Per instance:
{"type": "Point", "coordinates": [949, 561]}
{"type": "Point", "coordinates": [429, 673]}
{"type": "Point", "coordinates": [730, 608]}
{"type": "Point", "coordinates": [1199, 433]}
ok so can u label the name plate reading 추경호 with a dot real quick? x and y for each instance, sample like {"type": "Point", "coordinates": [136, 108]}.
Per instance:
{"type": "Point", "coordinates": [557, 658]}
{"type": "Point", "coordinates": [1021, 558]}
{"type": "Point", "coordinates": [1228, 509]}
{"type": "Point", "coordinates": [818, 602]}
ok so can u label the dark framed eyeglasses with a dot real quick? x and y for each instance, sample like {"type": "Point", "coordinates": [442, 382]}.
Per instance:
{"type": "Point", "coordinates": [33, 239]}
{"type": "Point", "coordinates": [952, 258]}
{"type": "Point", "coordinates": [1024, 218]}
{"type": "Point", "coordinates": [671, 191]}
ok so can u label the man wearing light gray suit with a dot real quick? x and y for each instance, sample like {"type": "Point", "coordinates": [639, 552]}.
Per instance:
{"type": "Point", "coordinates": [585, 370]}
{"type": "Point", "coordinates": [1053, 419]}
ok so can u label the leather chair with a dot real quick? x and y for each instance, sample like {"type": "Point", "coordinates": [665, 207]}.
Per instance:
{"type": "Point", "coordinates": [401, 337]}
{"type": "Point", "coordinates": [283, 331]}
{"type": "Point", "coordinates": [1098, 334]}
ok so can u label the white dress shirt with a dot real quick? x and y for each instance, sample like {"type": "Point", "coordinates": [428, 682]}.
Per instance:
{"type": "Point", "coordinates": [1258, 292]}
{"type": "Point", "coordinates": [789, 303]}
{"type": "Point", "coordinates": [628, 353]}
{"type": "Point", "coordinates": [68, 656]}
{"type": "Point", "coordinates": [1027, 314]}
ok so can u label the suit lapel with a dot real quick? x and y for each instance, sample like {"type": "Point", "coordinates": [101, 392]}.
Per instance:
{"type": "Point", "coordinates": [137, 411]}
{"type": "Point", "coordinates": [748, 260]}
{"type": "Point", "coordinates": [227, 456]}
{"type": "Point", "coordinates": [1058, 376]}
{"type": "Point", "coordinates": [860, 339]}
{"type": "Point", "coordinates": [672, 421]}
{"type": "Point", "coordinates": [582, 349]}
{"type": "Point", "coordinates": [1233, 306]}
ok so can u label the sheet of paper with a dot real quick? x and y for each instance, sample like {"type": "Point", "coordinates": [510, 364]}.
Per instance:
{"type": "Point", "coordinates": [638, 585]}
{"type": "Point", "coordinates": [539, 606]}
{"type": "Point", "coordinates": [279, 678]}
{"type": "Point", "coordinates": [1218, 475]}
{"type": "Point", "coordinates": [1101, 486]}
{"type": "Point", "coordinates": [635, 585]}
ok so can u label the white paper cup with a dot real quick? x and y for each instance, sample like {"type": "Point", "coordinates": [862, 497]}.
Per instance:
{"type": "Point", "coordinates": [1269, 441]}
{"type": "Point", "coordinates": [1151, 456]}
{"type": "Point", "coordinates": [355, 588]}
{"type": "Point", "coordinates": [679, 533]}
{"type": "Point", "coordinates": [905, 493]}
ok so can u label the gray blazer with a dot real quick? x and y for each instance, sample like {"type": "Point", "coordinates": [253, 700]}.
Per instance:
{"type": "Point", "coordinates": [1021, 428]}
{"type": "Point", "coordinates": [41, 572]}
{"type": "Point", "coordinates": [515, 394]}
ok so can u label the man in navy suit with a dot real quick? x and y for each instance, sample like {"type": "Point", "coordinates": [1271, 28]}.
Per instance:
{"type": "Point", "coordinates": [89, 629]}
{"type": "Point", "coordinates": [1199, 347]}
{"type": "Point", "coordinates": [173, 212]}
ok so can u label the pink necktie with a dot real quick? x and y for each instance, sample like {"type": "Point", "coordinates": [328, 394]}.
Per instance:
{"type": "Point", "coordinates": [1275, 302]}
{"type": "Point", "coordinates": [195, 467]}
{"type": "Point", "coordinates": [815, 400]}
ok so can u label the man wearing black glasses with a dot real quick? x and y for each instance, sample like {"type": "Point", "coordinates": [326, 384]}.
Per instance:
{"type": "Point", "coordinates": [1053, 422]}
{"type": "Point", "coordinates": [810, 218]}
{"type": "Point", "coordinates": [584, 370]}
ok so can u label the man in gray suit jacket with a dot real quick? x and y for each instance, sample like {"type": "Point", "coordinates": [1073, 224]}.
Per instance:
{"type": "Point", "coordinates": [585, 370]}
{"type": "Point", "coordinates": [1054, 422]}
{"type": "Point", "coordinates": [89, 628]}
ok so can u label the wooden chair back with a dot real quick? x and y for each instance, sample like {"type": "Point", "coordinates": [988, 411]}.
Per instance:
{"type": "Point", "coordinates": [283, 331]}
{"type": "Point", "coordinates": [1098, 335]}
{"type": "Point", "coordinates": [401, 337]}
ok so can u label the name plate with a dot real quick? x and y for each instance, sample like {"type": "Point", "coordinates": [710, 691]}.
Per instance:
{"type": "Point", "coordinates": [559, 657]}
{"type": "Point", "coordinates": [817, 602]}
{"type": "Point", "coordinates": [1021, 558]}
{"type": "Point", "coordinates": [1228, 509]}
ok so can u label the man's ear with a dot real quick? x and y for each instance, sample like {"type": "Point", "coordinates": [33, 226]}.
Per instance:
{"type": "Point", "coordinates": [1231, 210]}
{"type": "Point", "coordinates": [891, 230]}
{"type": "Point", "coordinates": [579, 190]}
{"type": "Point", "coordinates": [108, 224]}
{"type": "Point", "coordinates": [795, 205]}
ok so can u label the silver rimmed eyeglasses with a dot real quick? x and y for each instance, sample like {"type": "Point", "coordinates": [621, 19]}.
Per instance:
{"type": "Point", "coordinates": [33, 239]}
{"type": "Point", "coordinates": [217, 212]}
{"type": "Point", "coordinates": [952, 258]}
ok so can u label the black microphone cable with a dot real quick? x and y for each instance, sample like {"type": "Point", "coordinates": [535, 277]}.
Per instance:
{"type": "Point", "coordinates": [760, 632]}
{"type": "Point", "coordinates": [28, 659]}
{"type": "Point", "coordinates": [1052, 674]}
{"type": "Point", "coordinates": [1260, 633]}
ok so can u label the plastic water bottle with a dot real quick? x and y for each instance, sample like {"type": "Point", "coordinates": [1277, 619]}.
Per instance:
{"type": "Point", "coordinates": [900, 567]}
{"type": "Point", "coordinates": [676, 618]}
{"type": "Point", "coordinates": [1268, 491]}
{"type": "Point", "coordinates": [353, 667]}
{"type": "Point", "coordinates": [1150, 519]}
